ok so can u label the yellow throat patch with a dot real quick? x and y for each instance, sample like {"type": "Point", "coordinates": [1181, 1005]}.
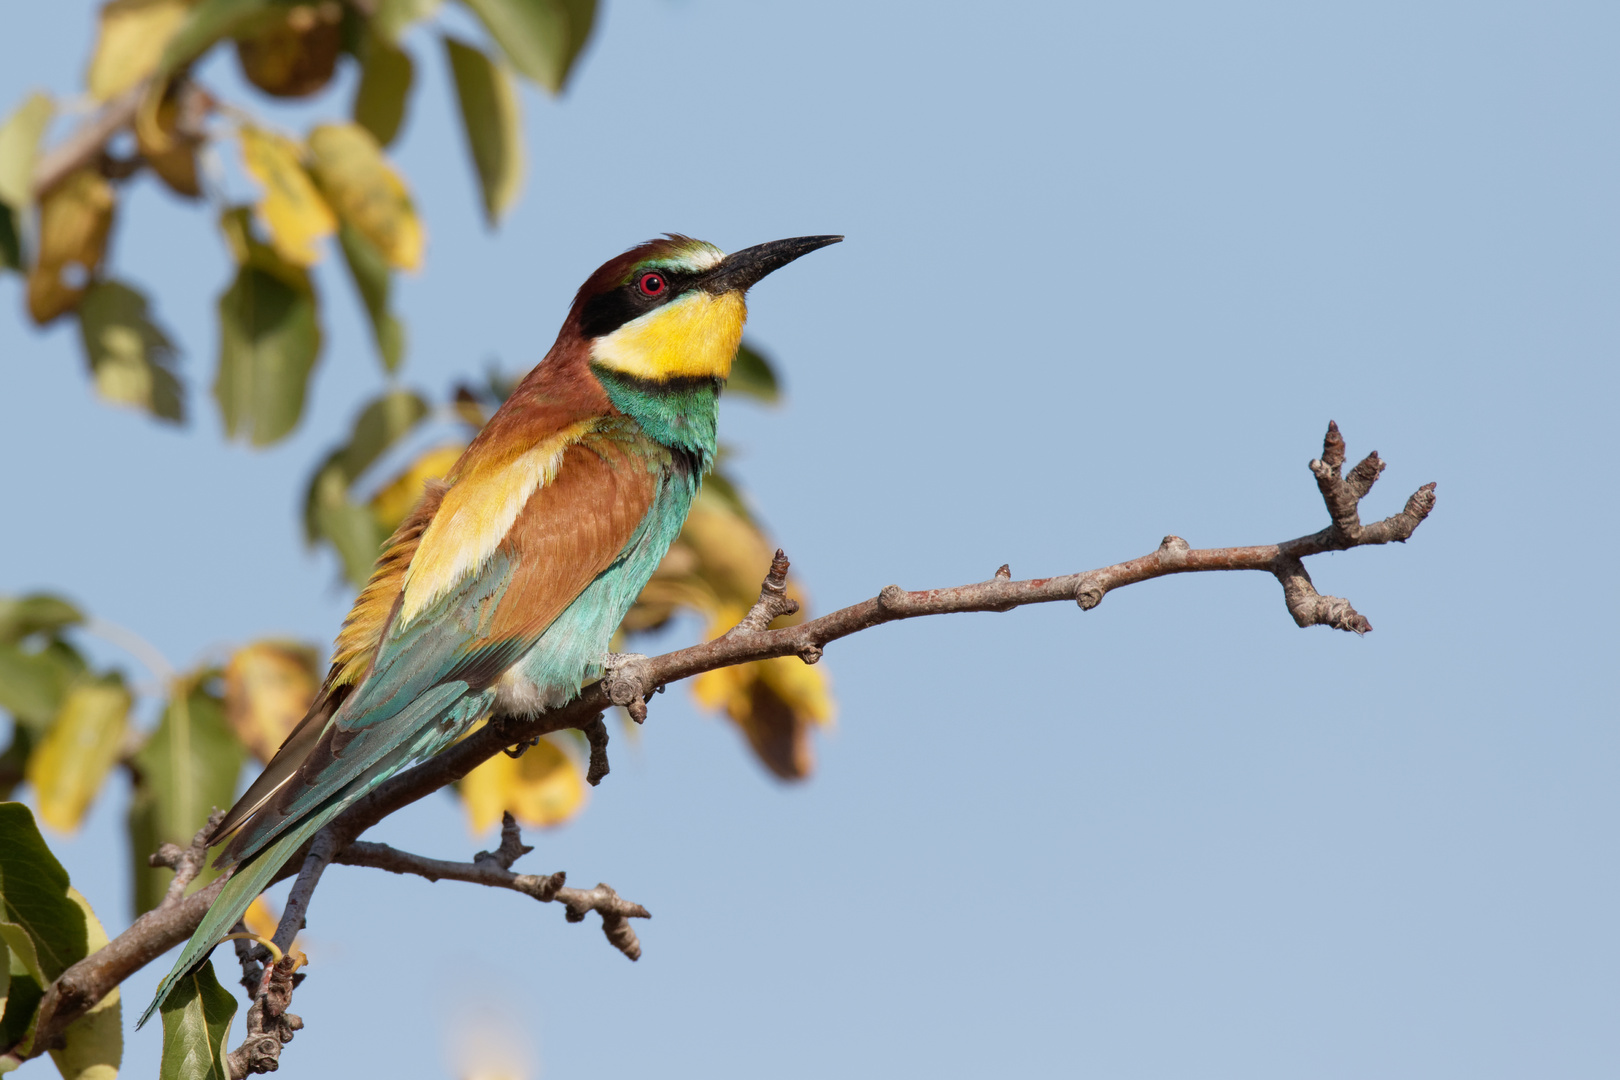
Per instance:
{"type": "Point", "coordinates": [695, 336]}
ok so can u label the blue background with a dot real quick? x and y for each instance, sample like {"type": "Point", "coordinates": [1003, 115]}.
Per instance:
{"type": "Point", "coordinates": [1110, 270]}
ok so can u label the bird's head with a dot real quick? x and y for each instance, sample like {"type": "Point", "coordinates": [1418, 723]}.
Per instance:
{"type": "Point", "coordinates": [673, 309]}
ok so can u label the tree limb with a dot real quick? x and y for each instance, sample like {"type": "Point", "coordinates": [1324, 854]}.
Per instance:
{"type": "Point", "coordinates": [494, 869]}
{"type": "Point", "coordinates": [155, 932]}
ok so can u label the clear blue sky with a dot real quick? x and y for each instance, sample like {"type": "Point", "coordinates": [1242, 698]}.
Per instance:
{"type": "Point", "coordinates": [1110, 270]}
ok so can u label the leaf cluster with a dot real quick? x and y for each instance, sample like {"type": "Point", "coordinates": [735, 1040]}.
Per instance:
{"type": "Point", "coordinates": [332, 187]}
{"type": "Point", "coordinates": [60, 204]}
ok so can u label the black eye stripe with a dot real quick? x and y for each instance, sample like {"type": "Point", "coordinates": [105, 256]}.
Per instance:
{"type": "Point", "coordinates": [605, 313]}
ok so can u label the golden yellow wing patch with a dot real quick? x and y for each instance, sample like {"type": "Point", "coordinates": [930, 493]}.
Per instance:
{"type": "Point", "coordinates": [477, 512]}
{"type": "Point", "coordinates": [695, 336]}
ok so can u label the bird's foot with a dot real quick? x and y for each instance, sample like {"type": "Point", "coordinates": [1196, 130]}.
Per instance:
{"type": "Point", "coordinates": [625, 677]}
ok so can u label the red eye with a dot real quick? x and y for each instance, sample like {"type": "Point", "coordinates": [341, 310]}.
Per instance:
{"type": "Point", "coordinates": [652, 284]}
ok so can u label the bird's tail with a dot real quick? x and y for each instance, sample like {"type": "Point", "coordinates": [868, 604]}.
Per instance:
{"type": "Point", "coordinates": [232, 902]}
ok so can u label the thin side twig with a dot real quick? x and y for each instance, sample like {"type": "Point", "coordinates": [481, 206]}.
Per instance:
{"type": "Point", "coordinates": [186, 862]}
{"type": "Point", "coordinates": [493, 869]}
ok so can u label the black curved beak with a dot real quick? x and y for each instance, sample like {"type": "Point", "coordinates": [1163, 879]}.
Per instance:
{"type": "Point", "coordinates": [743, 268]}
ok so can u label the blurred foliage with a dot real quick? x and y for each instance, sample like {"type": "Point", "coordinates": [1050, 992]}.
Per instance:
{"type": "Point", "coordinates": [46, 927]}
{"type": "Point", "coordinates": [79, 749]}
{"type": "Point", "coordinates": [332, 181]}
{"type": "Point", "coordinates": [542, 787]}
{"type": "Point", "coordinates": [185, 768]}
{"type": "Point", "coordinates": [182, 739]}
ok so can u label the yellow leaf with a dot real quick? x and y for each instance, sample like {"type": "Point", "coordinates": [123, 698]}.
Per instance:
{"type": "Point", "coordinates": [93, 1045]}
{"type": "Point", "coordinates": [73, 224]}
{"type": "Point", "coordinates": [543, 787]}
{"type": "Point", "coordinates": [292, 209]}
{"type": "Point", "coordinates": [392, 503]}
{"type": "Point", "coordinates": [261, 918]}
{"type": "Point", "coordinates": [79, 749]}
{"type": "Point", "coordinates": [715, 567]}
{"type": "Point", "coordinates": [367, 192]}
{"type": "Point", "coordinates": [130, 43]}
{"type": "Point", "coordinates": [775, 702]}
{"type": "Point", "coordinates": [236, 223]}
{"type": "Point", "coordinates": [268, 688]}
{"type": "Point", "coordinates": [19, 149]}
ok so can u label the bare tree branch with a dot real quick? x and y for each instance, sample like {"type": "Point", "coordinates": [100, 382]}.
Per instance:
{"type": "Point", "coordinates": [632, 679]}
{"type": "Point", "coordinates": [319, 857]}
{"type": "Point", "coordinates": [494, 869]}
{"type": "Point", "coordinates": [88, 142]}
{"type": "Point", "coordinates": [186, 862]}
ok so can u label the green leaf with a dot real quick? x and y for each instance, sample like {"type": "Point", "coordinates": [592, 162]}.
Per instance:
{"type": "Point", "coordinates": [11, 255]}
{"type": "Point", "coordinates": [354, 533]}
{"type": "Point", "coordinates": [373, 281]}
{"type": "Point", "coordinates": [384, 88]}
{"type": "Point", "coordinates": [489, 117]}
{"type": "Point", "coordinates": [79, 750]}
{"type": "Point", "coordinates": [93, 1045]}
{"type": "Point", "coordinates": [132, 360]}
{"type": "Point", "coordinates": [19, 149]}
{"type": "Point", "coordinates": [187, 768]}
{"type": "Point", "coordinates": [752, 374]}
{"type": "Point", "coordinates": [236, 222]}
{"type": "Point", "coordinates": [35, 613]}
{"type": "Point", "coordinates": [34, 893]}
{"type": "Point", "coordinates": [542, 38]}
{"type": "Point", "coordinates": [197, 1018]}
{"type": "Point", "coordinates": [14, 761]}
{"type": "Point", "coordinates": [269, 339]}
{"type": "Point", "coordinates": [34, 681]}
{"type": "Point", "coordinates": [394, 17]}
{"type": "Point", "coordinates": [26, 988]}
{"type": "Point", "coordinates": [209, 22]}
{"type": "Point", "coordinates": [383, 422]}
{"type": "Point", "coordinates": [329, 510]}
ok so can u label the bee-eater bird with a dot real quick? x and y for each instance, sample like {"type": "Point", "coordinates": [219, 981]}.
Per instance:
{"type": "Point", "coordinates": [503, 587]}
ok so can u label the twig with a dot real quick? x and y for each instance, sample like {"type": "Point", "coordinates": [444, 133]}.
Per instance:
{"type": "Point", "coordinates": [186, 862]}
{"type": "Point", "coordinates": [773, 599]}
{"type": "Point", "coordinates": [807, 639]}
{"type": "Point", "coordinates": [321, 851]}
{"type": "Point", "coordinates": [269, 1025]}
{"type": "Point", "coordinates": [150, 656]}
{"type": "Point", "coordinates": [596, 734]}
{"type": "Point", "coordinates": [87, 142]}
{"type": "Point", "coordinates": [494, 870]}
{"type": "Point", "coordinates": [87, 981]}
